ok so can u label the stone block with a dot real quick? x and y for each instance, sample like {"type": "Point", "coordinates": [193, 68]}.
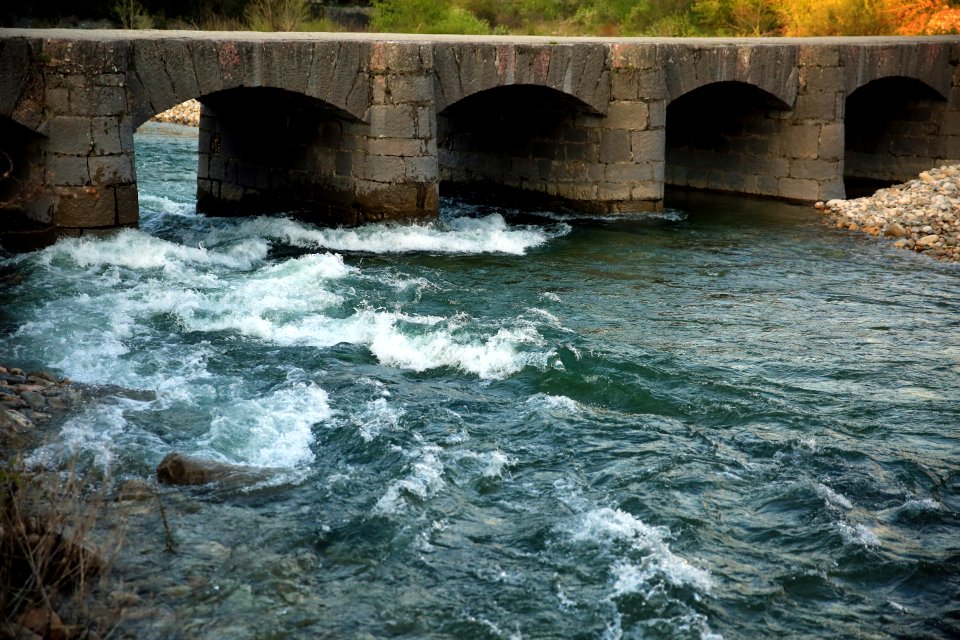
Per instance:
{"type": "Point", "coordinates": [831, 189]}
{"type": "Point", "coordinates": [819, 55]}
{"type": "Point", "coordinates": [634, 116]}
{"type": "Point", "coordinates": [426, 122]}
{"type": "Point", "coordinates": [57, 100]}
{"type": "Point", "coordinates": [658, 114]}
{"type": "Point", "coordinates": [648, 145]}
{"type": "Point", "coordinates": [67, 170]}
{"type": "Point", "coordinates": [634, 55]}
{"type": "Point", "coordinates": [614, 146]}
{"type": "Point", "coordinates": [648, 190]}
{"type": "Point", "coordinates": [614, 191]}
{"type": "Point", "coordinates": [815, 169]}
{"type": "Point", "coordinates": [392, 121]}
{"type": "Point", "coordinates": [384, 169]}
{"type": "Point", "coordinates": [816, 106]}
{"type": "Point", "coordinates": [85, 207]}
{"type": "Point", "coordinates": [629, 172]}
{"type": "Point", "coordinates": [801, 141]}
{"type": "Point", "coordinates": [832, 138]}
{"type": "Point", "coordinates": [423, 169]}
{"type": "Point", "coordinates": [111, 170]}
{"type": "Point", "coordinates": [395, 146]}
{"type": "Point", "coordinates": [69, 135]}
{"type": "Point", "coordinates": [797, 189]}
{"type": "Point", "coordinates": [128, 208]}
{"type": "Point", "coordinates": [98, 101]}
{"type": "Point", "coordinates": [624, 84]}
{"type": "Point", "coordinates": [821, 80]}
{"type": "Point", "coordinates": [105, 133]}
{"type": "Point", "coordinates": [408, 89]}
{"type": "Point", "coordinates": [651, 86]}
{"type": "Point", "coordinates": [577, 191]}
{"type": "Point", "coordinates": [398, 57]}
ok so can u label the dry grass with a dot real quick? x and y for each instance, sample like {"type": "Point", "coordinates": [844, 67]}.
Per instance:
{"type": "Point", "coordinates": [47, 561]}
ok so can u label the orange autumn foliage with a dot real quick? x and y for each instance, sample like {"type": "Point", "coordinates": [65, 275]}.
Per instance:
{"type": "Point", "coordinates": [924, 17]}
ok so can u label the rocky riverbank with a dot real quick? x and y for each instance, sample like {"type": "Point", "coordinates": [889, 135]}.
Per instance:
{"type": "Point", "coordinates": [29, 398]}
{"type": "Point", "coordinates": [187, 113]}
{"type": "Point", "coordinates": [922, 215]}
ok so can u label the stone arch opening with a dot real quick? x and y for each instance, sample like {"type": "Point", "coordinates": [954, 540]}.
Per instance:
{"type": "Point", "coordinates": [266, 150]}
{"type": "Point", "coordinates": [892, 133]}
{"type": "Point", "coordinates": [525, 143]}
{"type": "Point", "coordinates": [726, 136]}
{"type": "Point", "coordinates": [24, 211]}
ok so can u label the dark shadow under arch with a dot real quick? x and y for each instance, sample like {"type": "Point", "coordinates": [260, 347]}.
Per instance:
{"type": "Point", "coordinates": [24, 218]}
{"type": "Point", "coordinates": [891, 133]}
{"type": "Point", "coordinates": [524, 141]}
{"type": "Point", "coordinates": [725, 136]}
{"type": "Point", "coordinates": [265, 150]}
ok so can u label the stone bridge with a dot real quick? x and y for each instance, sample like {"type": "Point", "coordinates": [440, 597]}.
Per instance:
{"type": "Point", "coordinates": [347, 128]}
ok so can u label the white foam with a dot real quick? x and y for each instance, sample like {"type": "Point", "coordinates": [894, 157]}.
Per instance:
{"type": "Point", "coordinates": [858, 534]}
{"type": "Point", "coordinates": [375, 417]}
{"type": "Point", "coordinates": [166, 205]}
{"type": "Point", "coordinates": [922, 504]}
{"type": "Point", "coordinates": [832, 497]}
{"type": "Point", "coordinates": [605, 526]}
{"type": "Point", "coordinates": [94, 431]}
{"type": "Point", "coordinates": [424, 480]}
{"type": "Point", "coordinates": [274, 431]}
{"type": "Point", "coordinates": [137, 250]}
{"type": "Point", "coordinates": [490, 234]}
{"type": "Point", "coordinates": [550, 403]}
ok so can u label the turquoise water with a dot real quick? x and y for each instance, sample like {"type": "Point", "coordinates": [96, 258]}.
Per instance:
{"type": "Point", "coordinates": [726, 421]}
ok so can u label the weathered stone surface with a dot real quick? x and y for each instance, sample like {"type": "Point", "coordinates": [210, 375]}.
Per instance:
{"type": "Point", "coordinates": [380, 118]}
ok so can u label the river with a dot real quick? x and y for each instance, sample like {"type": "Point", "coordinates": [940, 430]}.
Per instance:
{"type": "Point", "coordinates": [728, 420]}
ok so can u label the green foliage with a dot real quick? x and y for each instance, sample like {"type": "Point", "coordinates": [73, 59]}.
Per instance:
{"type": "Point", "coordinates": [132, 15]}
{"type": "Point", "coordinates": [425, 16]}
{"type": "Point", "coordinates": [277, 15]}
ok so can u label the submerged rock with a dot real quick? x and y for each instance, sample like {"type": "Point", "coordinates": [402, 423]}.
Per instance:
{"type": "Point", "coordinates": [181, 469]}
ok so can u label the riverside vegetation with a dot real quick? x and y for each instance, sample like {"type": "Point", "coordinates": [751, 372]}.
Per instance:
{"type": "Point", "coordinates": [47, 562]}
{"type": "Point", "coordinates": [532, 17]}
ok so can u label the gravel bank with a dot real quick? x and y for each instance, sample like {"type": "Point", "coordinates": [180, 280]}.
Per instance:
{"type": "Point", "coordinates": [922, 215]}
{"type": "Point", "coordinates": [187, 113]}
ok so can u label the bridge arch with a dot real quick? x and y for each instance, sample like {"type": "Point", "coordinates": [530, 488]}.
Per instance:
{"type": "Point", "coordinates": [518, 137]}
{"type": "Point", "coordinates": [726, 136]}
{"type": "Point", "coordinates": [581, 72]}
{"type": "Point", "coordinates": [892, 132]}
{"type": "Point", "coordinates": [166, 72]}
{"type": "Point", "coordinates": [269, 150]}
{"type": "Point", "coordinates": [772, 70]}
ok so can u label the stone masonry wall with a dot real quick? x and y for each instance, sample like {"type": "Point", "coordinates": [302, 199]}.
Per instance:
{"type": "Point", "coordinates": [90, 173]}
{"type": "Point", "coordinates": [360, 129]}
{"type": "Point", "coordinates": [399, 176]}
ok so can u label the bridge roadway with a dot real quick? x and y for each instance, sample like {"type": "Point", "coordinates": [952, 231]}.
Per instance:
{"type": "Point", "coordinates": [349, 128]}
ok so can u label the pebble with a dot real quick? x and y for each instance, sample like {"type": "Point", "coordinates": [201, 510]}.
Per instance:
{"type": "Point", "coordinates": [915, 215]}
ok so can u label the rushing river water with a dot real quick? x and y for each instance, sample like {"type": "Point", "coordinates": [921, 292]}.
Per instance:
{"type": "Point", "coordinates": [728, 420]}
